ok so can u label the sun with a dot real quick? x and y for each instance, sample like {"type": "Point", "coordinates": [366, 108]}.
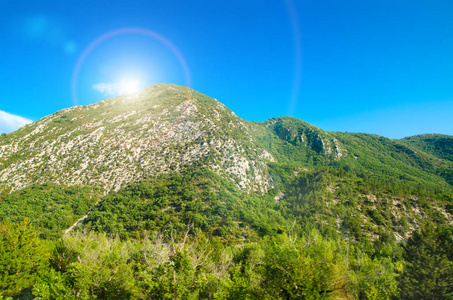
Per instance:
{"type": "Point", "coordinates": [141, 63]}
{"type": "Point", "coordinates": [122, 87]}
{"type": "Point", "coordinates": [128, 86]}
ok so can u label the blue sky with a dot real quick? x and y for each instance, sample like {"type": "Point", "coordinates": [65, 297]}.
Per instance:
{"type": "Point", "coordinates": [382, 67]}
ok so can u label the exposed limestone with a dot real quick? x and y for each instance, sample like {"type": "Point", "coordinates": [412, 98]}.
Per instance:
{"type": "Point", "coordinates": [122, 139]}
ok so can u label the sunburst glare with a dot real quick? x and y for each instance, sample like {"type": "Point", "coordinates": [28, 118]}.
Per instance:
{"type": "Point", "coordinates": [125, 86]}
{"type": "Point", "coordinates": [129, 86]}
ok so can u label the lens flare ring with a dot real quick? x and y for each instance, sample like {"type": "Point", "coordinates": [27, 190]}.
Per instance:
{"type": "Point", "coordinates": [124, 31]}
{"type": "Point", "coordinates": [298, 59]}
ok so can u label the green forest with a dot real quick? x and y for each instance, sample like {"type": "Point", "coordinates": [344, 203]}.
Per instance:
{"type": "Point", "coordinates": [194, 235]}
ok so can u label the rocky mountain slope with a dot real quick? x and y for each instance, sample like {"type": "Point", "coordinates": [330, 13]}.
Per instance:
{"type": "Point", "coordinates": [164, 127]}
{"type": "Point", "coordinates": [122, 139]}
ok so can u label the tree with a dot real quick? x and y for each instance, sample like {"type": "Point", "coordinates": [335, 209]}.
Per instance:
{"type": "Point", "coordinates": [312, 268]}
{"type": "Point", "coordinates": [428, 272]}
{"type": "Point", "coordinates": [22, 257]}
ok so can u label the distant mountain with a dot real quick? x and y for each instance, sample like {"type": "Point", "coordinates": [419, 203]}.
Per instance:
{"type": "Point", "coordinates": [436, 144]}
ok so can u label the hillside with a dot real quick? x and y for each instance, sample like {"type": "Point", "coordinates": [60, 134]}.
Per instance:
{"type": "Point", "coordinates": [436, 144]}
{"type": "Point", "coordinates": [122, 139]}
{"type": "Point", "coordinates": [166, 129]}
{"type": "Point", "coordinates": [180, 198]}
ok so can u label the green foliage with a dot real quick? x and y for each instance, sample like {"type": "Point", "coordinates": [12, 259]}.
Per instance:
{"type": "Point", "coordinates": [293, 141]}
{"type": "Point", "coordinates": [193, 235]}
{"type": "Point", "coordinates": [428, 271]}
{"type": "Point", "coordinates": [50, 207]}
{"type": "Point", "coordinates": [52, 285]}
{"type": "Point", "coordinates": [436, 144]}
{"type": "Point", "coordinates": [90, 266]}
{"type": "Point", "coordinates": [177, 198]}
{"type": "Point", "coordinates": [22, 257]}
{"type": "Point", "coordinates": [389, 162]}
{"type": "Point", "coordinates": [311, 269]}
{"type": "Point", "coordinates": [374, 278]}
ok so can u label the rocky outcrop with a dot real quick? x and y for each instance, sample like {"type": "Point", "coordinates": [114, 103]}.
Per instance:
{"type": "Point", "coordinates": [302, 134]}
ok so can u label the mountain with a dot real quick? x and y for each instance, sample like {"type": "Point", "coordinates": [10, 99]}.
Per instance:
{"type": "Point", "coordinates": [123, 139]}
{"type": "Point", "coordinates": [148, 172]}
{"type": "Point", "coordinates": [167, 128]}
{"type": "Point", "coordinates": [436, 144]}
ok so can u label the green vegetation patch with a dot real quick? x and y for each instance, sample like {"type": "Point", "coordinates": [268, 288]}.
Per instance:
{"type": "Point", "coordinates": [50, 207]}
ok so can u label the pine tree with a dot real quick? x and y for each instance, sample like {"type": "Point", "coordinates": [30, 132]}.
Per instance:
{"type": "Point", "coordinates": [22, 257]}
{"type": "Point", "coordinates": [428, 273]}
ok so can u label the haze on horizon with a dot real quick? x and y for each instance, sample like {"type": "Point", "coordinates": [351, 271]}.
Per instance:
{"type": "Point", "coordinates": [376, 67]}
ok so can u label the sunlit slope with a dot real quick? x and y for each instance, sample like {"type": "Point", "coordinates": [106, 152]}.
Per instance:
{"type": "Point", "coordinates": [122, 139]}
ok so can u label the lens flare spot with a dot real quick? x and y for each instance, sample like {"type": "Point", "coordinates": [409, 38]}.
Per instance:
{"type": "Point", "coordinates": [128, 86]}
{"type": "Point", "coordinates": [125, 86]}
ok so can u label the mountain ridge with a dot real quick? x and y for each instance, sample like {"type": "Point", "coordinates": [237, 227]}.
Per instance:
{"type": "Point", "coordinates": [117, 141]}
{"type": "Point", "coordinates": [138, 129]}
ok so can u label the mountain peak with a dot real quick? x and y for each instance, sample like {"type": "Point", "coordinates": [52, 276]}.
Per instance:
{"type": "Point", "coordinates": [121, 139]}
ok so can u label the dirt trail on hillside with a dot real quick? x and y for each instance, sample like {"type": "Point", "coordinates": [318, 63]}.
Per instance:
{"type": "Point", "coordinates": [76, 223]}
{"type": "Point", "coordinates": [81, 219]}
